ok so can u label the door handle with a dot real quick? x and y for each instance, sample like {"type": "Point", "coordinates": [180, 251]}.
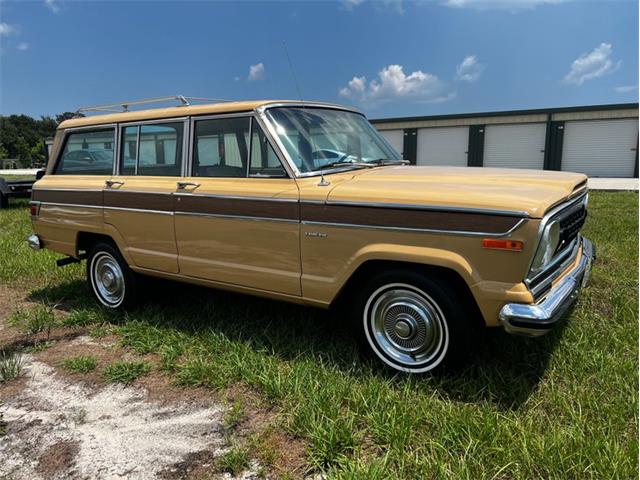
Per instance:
{"type": "Point", "coordinates": [111, 183]}
{"type": "Point", "coordinates": [184, 185]}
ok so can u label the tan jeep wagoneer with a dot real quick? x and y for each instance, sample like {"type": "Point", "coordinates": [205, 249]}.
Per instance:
{"type": "Point", "coordinates": [306, 202]}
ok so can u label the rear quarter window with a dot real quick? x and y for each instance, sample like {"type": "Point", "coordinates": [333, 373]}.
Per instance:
{"type": "Point", "coordinates": [87, 153]}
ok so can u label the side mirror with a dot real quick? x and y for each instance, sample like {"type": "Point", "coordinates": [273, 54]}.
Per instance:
{"type": "Point", "coordinates": [40, 174]}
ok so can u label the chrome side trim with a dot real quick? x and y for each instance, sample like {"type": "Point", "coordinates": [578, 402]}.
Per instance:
{"type": "Point", "coordinates": [238, 217]}
{"type": "Point", "coordinates": [237, 197]}
{"type": "Point", "coordinates": [78, 205]}
{"type": "Point", "coordinates": [139, 210]}
{"type": "Point", "coordinates": [534, 320]}
{"type": "Point", "coordinates": [433, 208]}
{"type": "Point", "coordinates": [419, 230]}
{"type": "Point", "coordinates": [83, 190]}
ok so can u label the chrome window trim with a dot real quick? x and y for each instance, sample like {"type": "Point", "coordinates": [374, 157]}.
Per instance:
{"type": "Point", "coordinates": [237, 217]}
{"type": "Point", "coordinates": [69, 131]}
{"type": "Point", "coordinates": [251, 114]}
{"type": "Point", "coordinates": [278, 148]}
{"type": "Point", "coordinates": [262, 113]}
{"type": "Point", "coordinates": [139, 124]}
{"type": "Point", "coordinates": [464, 233]}
{"type": "Point", "coordinates": [547, 218]}
{"type": "Point", "coordinates": [432, 208]}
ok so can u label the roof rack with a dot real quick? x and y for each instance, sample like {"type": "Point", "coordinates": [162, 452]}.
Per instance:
{"type": "Point", "coordinates": [121, 107]}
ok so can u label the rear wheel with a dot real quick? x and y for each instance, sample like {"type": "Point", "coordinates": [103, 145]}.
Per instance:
{"type": "Point", "coordinates": [111, 280]}
{"type": "Point", "coordinates": [412, 322]}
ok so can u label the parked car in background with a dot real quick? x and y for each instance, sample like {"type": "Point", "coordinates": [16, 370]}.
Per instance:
{"type": "Point", "coordinates": [307, 203]}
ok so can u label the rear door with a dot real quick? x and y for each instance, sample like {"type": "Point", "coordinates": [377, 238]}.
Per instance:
{"type": "Point", "coordinates": [138, 200]}
{"type": "Point", "coordinates": [237, 223]}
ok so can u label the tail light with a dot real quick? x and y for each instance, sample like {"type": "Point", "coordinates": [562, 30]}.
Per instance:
{"type": "Point", "coordinates": [34, 209]}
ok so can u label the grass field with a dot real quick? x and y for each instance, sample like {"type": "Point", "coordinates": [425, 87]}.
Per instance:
{"type": "Point", "coordinates": [563, 406]}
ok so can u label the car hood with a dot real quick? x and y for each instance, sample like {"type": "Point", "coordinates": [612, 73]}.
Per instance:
{"type": "Point", "coordinates": [517, 190]}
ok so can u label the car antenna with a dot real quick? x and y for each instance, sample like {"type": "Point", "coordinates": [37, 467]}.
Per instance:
{"type": "Point", "coordinates": [293, 72]}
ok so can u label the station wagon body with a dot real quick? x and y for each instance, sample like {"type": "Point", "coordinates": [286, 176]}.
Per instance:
{"type": "Point", "coordinates": [306, 202]}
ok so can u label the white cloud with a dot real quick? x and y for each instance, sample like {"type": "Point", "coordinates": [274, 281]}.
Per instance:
{"type": "Point", "coordinates": [393, 83]}
{"type": "Point", "coordinates": [23, 46]}
{"type": "Point", "coordinates": [395, 5]}
{"type": "Point", "coordinates": [626, 88]}
{"type": "Point", "coordinates": [351, 4]}
{"type": "Point", "coordinates": [256, 72]}
{"type": "Point", "coordinates": [6, 29]}
{"type": "Point", "coordinates": [469, 69]}
{"type": "Point", "coordinates": [594, 64]}
{"type": "Point", "coordinates": [52, 5]}
{"type": "Point", "coordinates": [510, 5]}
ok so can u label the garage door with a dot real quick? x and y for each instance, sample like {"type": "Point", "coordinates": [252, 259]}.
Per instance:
{"type": "Point", "coordinates": [515, 146]}
{"type": "Point", "coordinates": [395, 138]}
{"type": "Point", "coordinates": [600, 148]}
{"type": "Point", "coordinates": [443, 146]}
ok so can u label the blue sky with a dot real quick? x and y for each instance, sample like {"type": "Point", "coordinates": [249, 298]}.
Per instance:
{"type": "Point", "coordinates": [388, 57]}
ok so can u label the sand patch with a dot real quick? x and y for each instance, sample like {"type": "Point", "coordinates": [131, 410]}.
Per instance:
{"type": "Point", "coordinates": [101, 432]}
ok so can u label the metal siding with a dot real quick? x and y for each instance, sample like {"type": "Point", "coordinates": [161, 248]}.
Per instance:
{"type": "Point", "coordinates": [600, 148]}
{"type": "Point", "coordinates": [515, 146]}
{"type": "Point", "coordinates": [395, 138]}
{"type": "Point", "coordinates": [443, 146]}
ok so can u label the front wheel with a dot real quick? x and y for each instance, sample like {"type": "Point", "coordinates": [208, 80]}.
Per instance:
{"type": "Point", "coordinates": [410, 321]}
{"type": "Point", "coordinates": [110, 278]}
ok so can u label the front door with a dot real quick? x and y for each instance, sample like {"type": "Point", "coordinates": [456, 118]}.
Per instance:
{"type": "Point", "coordinates": [237, 214]}
{"type": "Point", "coordinates": [138, 201]}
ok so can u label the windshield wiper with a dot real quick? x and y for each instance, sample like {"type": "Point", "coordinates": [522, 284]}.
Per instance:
{"type": "Point", "coordinates": [347, 164]}
{"type": "Point", "coordinates": [385, 161]}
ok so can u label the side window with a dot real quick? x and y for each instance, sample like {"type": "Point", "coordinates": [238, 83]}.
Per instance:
{"type": "Point", "coordinates": [86, 153]}
{"type": "Point", "coordinates": [220, 147]}
{"type": "Point", "coordinates": [264, 161]}
{"type": "Point", "coordinates": [156, 150]}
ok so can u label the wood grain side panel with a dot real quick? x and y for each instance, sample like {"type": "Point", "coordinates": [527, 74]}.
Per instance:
{"type": "Point", "coordinates": [77, 197]}
{"type": "Point", "coordinates": [407, 218]}
{"type": "Point", "coordinates": [238, 207]}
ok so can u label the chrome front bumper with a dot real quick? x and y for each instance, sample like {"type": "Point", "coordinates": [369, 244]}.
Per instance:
{"type": "Point", "coordinates": [537, 319]}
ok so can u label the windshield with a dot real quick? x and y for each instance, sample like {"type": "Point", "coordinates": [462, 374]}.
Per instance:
{"type": "Point", "coordinates": [320, 137]}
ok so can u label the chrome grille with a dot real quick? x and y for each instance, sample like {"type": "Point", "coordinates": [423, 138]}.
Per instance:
{"type": "Point", "coordinates": [572, 217]}
{"type": "Point", "coordinates": [570, 226]}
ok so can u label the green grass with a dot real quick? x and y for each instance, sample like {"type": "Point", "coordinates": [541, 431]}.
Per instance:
{"type": "Point", "coordinates": [11, 366]}
{"type": "Point", "coordinates": [80, 364]}
{"type": "Point", "coordinates": [562, 406]}
{"type": "Point", "coordinates": [125, 372]}
{"type": "Point", "coordinates": [235, 461]}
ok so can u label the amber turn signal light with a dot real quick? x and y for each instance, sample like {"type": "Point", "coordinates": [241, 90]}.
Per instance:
{"type": "Point", "coordinates": [513, 245]}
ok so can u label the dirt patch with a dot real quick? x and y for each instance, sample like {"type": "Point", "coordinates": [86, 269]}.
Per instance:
{"type": "Point", "coordinates": [77, 426]}
{"type": "Point", "coordinates": [58, 459]}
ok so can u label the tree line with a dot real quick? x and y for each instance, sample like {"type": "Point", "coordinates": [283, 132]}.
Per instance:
{"type": "Point", "coordinates": [23, 137]}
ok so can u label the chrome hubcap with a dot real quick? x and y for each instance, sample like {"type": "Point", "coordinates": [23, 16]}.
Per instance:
{"type": "Point", "coordinates": [408, 326]}
{"type": "Point", "coordinates": [108, 279]}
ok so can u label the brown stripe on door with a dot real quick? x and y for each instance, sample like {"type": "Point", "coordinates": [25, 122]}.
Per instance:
{"type": "Point", "coordinates": [242, 207]}
{"type": "Point", "coordinates": [138, 200]}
